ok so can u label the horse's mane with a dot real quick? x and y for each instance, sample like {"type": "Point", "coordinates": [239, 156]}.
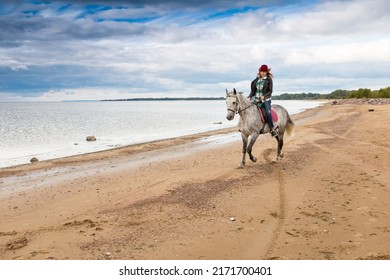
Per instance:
{"type": "Point", "coordinates": [243, 99]}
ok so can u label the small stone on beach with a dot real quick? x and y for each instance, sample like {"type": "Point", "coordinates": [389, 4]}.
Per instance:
{"type": "Point", "coordinates": [34, 159]}
{"type": "Point", "coordinates": [232, 219]}
{"type": "Point", "coordinates": [91, 138]}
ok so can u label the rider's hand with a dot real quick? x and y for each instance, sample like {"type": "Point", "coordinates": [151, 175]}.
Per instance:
{"type": "Point", "coordinates": [262, 98]}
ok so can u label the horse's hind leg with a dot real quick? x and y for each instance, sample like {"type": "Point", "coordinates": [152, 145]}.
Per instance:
{"type": "Point", "coordinates": [244, 146]}
{"type": "Point", "coordinates": [279, 153]}
{"type": "Point", "coordinates": [280, 146]}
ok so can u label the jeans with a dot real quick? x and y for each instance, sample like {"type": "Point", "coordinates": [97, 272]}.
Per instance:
{"type": "Point", "coordinates": [267, 105]}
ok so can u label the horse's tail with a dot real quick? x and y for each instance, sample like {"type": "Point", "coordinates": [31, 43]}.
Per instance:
{"type": "Point", "coordinates": [290, 125]}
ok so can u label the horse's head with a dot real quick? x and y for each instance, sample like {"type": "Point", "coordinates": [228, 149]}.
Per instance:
{"type": "Point", "coordinates": [231, 104]}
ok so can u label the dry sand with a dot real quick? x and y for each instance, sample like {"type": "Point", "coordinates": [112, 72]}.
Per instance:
{"type": "Point", "coordinates": [328, 198]}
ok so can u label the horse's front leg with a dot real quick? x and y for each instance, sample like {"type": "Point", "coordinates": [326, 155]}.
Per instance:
{"type": "Point", "coordinates": [251, 143]}
{"type": "Point", "coordinates": [244, 145]}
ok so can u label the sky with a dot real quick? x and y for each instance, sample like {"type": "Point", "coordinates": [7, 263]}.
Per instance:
{"type": "Point", "coordinates": [93, 50]}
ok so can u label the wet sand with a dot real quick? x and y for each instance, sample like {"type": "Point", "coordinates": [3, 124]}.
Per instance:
{"type": "Point", "coordinates": [185, 198]}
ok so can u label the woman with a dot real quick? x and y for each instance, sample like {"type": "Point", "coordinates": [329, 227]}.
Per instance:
{"type": "Point", "coordinates": [261, 92]}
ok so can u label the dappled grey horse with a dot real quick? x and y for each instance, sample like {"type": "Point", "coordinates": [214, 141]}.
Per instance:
{"type": "Point", "coordinates": [251, 125]}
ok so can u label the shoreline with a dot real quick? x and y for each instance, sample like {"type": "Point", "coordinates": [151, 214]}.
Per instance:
{"type": "Point", "coordinates": [108, 143]}
{"type": "Point", "coordinates": [184, 198]}
{"type": "Point", "coordinates": [127, 149]}
{"type": "Point", "coordinates": [137, 146]}
{"type": "Point", "coordinates": [111, 147]}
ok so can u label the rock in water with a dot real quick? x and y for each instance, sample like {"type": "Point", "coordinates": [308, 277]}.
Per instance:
{"type": "Point", "coordinates": [91, 138]}
{"type": "Point", "coordinates": [34, 159]}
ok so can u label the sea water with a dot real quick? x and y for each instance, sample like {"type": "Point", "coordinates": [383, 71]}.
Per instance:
{"type": "Point", "coordinates": [59, 129]}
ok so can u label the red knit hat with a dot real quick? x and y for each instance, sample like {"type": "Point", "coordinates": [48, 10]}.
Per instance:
{"type": "Point", "coordinates": [263, 68]}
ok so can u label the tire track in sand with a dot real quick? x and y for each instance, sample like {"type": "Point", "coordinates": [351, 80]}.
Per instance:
{"type": "Point", "coordinates": [281, 215]}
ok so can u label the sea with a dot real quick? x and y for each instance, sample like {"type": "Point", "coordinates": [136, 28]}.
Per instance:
{"type": "Point", "coordinates": [53, 130]}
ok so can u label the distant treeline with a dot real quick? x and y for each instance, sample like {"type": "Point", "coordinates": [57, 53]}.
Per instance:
{"type": "Point", "coordinates": [168, 99]}
{"type": "Point", "coordinates": [337, 94]}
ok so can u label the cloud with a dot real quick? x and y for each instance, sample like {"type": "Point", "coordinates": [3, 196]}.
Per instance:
{"type": "Point", "coordinates": [342, 52]}
{"type": "Point", "coordinates": [60, 49]}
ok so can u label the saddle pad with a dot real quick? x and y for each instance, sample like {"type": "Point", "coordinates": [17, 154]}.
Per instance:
{"type": "Point", "coordinates": [274, 115]}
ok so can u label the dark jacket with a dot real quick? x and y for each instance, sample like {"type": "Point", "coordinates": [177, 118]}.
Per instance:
{"type": "Point", "coordinates": [267, 87]}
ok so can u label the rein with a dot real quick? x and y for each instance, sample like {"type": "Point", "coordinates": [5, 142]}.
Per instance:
{"type": "Point", "coordinates": [239, 111]}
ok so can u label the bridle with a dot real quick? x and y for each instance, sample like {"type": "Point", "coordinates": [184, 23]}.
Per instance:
{"type": "Point", "coordinates": [238, 111]}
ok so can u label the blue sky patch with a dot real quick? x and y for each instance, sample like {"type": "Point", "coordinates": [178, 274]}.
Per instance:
{"type": "Point", "coordinates": [182, 47]}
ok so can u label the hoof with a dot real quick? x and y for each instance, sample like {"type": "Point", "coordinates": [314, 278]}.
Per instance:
{"type": "Point", "coordinates": [281, 155]}
{"type": "Point", "coordinates": [240, 167]}
{"type": "Point", "coordinates": [254, 159]}
{"type": "Point", "coordinates": [275, 160]}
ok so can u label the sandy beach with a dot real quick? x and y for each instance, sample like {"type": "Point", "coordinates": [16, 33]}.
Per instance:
{"type": "Point", "coordinates": [185, 198]}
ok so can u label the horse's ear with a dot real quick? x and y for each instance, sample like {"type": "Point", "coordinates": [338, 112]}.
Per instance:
{"type": "Point", "coordinates": [227, 94]}
{"type": "Point", "coordinates": [234, 91]}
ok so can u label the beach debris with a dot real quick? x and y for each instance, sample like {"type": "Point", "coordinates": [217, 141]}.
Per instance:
{"type": "Point", "coordinates": [2, 233]}
{"type": "Point", "coordinates": [17, 243]}
{"type": "Point", "coordinates": [370, 101]}
{"type": "Point", "coordinates": [232, 219]}
{"type": "Point", "coordinates": [91, 138]}
{"type": "Point", "coordinates": [334, 102]}
{"type": "Point", "coordinates": [218, 123]}
{"type": "Point", "coordinates": [34, 159]}
{"type": "Point", "coordinates": [292, 234]}
{"type": "Point", "coordinates": [371, 110]}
